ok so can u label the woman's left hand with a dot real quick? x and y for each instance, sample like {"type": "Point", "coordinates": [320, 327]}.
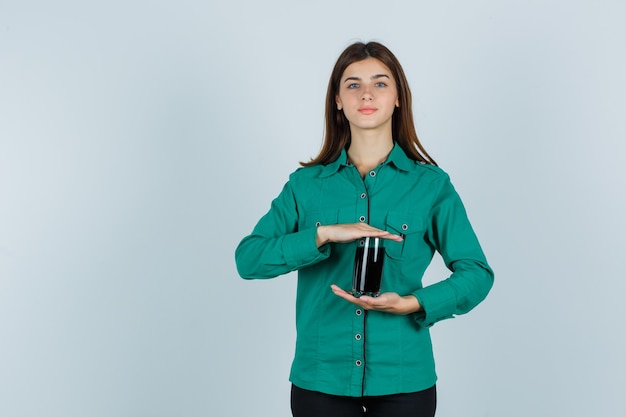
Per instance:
{"type": "Point", "coordinates": [389, 302]}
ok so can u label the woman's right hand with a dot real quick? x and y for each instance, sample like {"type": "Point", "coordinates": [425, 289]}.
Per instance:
{"type": "Point", "coordinates": [350, 231]}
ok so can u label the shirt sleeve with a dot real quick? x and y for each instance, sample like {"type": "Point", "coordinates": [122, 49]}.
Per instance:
{"type": "Point", "coordinates": [276, 246]}
{"type": "Point", "coordinates": [451, 233]}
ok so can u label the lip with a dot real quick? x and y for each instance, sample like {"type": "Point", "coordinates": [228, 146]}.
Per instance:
{"type": "Point", "coordinates": [368, 110]}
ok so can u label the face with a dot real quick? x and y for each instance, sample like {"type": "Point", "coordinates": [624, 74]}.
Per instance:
{"type": "Point", "coordinates": [368, 95]}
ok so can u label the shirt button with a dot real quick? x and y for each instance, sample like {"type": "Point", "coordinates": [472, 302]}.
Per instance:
{"type": "Point", "coordinates": [361, 243]}
{"type": "Point", "coordinates": [357, 336]}
{"type": "Point", "coordinates": [405, 227]}
{"type": "Point", "coordinates": [363, 195]}
{"type": "Point", "coordinates": [362, 219]}
{"type": "Point", "coordinates": [372, 173]}
{"type": "Point", "coordinates": [358, 311]}
{"type": "Point", "coordinates": [358, 363]}
{"type": "Point", "coordinates": [318, 224]}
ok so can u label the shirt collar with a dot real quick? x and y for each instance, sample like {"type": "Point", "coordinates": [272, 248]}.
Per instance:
{"type": "Point", "coordinates": [334, 166]}
{"type": "Point", "coordinates": [397, 157]}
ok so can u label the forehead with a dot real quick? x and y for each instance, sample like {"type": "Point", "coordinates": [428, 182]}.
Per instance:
{"type": "Point", "coordinates": [366, 68]}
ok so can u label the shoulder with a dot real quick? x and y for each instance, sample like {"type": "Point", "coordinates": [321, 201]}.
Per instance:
{"type": "Point", "coordinates": [416, 169]}
{"type": "Point", "coordinates": [304, 174]}
{"type": "Point", "coordinates": [429, 172]}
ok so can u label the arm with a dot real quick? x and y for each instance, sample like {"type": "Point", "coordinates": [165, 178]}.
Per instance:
{"type": "Point", "coordinates": [276, 246]}
{"type": "Point", "coordinates": [451, 233]}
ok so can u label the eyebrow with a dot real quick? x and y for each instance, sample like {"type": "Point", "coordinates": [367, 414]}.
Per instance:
{"type": "Point", "coordinates": [373, 77]}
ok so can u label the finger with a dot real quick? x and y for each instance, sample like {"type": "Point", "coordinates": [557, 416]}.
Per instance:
{"type": "Point", "coordinates": [341, 293]}
{"type": "Point", "coordinates": [391, 236]}
{"type": "Point", "coordinates": [348, 296]}
{"type": "Point", "coordinates": [383, 234]}
{"type": "Point", "coordinates": [336, 288]}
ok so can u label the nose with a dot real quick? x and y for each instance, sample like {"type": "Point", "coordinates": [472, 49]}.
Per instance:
{"type": "Point", "coordinates": [367, 96]}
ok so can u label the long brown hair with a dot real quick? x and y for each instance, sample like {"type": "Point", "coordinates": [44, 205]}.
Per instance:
{"type": "Point", "coordinates": [337, 133]}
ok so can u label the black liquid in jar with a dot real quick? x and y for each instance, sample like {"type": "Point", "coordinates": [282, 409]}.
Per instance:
{"type": "Point", "coordinates": [368, 270]}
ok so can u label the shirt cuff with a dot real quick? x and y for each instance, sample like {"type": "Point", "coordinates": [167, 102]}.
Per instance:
{"type": "Point", "coordinates": [438, 302]}
{"type": "Point", "coordinates": [300, 249]}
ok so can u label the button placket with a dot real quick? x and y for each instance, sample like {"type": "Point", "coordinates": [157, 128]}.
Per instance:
{"type": "Point", "coordinates": [362, 203]}
{"type": "Point", "coordinates": [358, 329]}
{"type": "Point", "coordinates": [358, 340]}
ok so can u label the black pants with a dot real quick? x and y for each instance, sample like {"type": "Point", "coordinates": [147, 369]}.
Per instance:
{"type": "Point", "coordinates": [305, 403]}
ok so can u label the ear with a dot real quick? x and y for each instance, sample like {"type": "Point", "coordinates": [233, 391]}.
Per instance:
{"type": "Point", "coordinates": [338, 101]}
{"type": "Point", "coordinates": [398, 102]}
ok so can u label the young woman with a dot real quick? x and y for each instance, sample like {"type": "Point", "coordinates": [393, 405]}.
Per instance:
{"type": "Point", "coordinates": [367, 356]}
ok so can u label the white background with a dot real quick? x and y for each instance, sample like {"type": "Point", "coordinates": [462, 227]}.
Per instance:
{"type": "Point", "coordinates": [141, 140]}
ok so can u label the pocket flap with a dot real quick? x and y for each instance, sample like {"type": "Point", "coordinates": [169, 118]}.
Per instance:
{"type": "Point", "coordinates": [411, 227]}
{"type": "Point", "coordinates": [320, 218]}
{"type": "Point", "coordinates": [405, 224]}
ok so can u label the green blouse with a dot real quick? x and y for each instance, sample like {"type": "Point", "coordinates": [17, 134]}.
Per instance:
{"type": "Point", "coordinates": [342, 349]}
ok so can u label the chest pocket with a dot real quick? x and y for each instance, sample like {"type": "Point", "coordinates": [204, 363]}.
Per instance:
{"type": "Point", "coordinates": [412, 227]}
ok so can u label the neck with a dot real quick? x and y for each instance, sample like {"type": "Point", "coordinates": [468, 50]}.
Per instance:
{"type": "Point", "coordinates": [368, 151]}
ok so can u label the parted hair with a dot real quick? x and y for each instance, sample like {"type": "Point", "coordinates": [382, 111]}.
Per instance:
{"type": "Point", "coordinates": [337, 132]}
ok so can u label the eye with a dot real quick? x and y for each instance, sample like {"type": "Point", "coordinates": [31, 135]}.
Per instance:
{"type": "Point", "coordinates": [353, 85]}
{"type": "Point", "coordinates": [381, 84]}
